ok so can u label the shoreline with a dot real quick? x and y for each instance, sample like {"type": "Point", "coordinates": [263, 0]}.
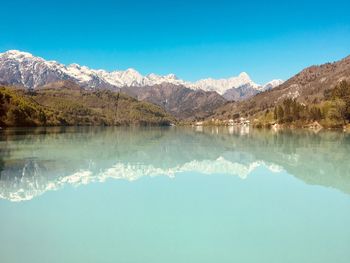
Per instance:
{"type": "Point", "coordinates": [275, 127]}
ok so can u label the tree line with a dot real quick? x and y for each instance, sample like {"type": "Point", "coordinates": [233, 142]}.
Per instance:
{"type": "Point", "coordinates": [334, 108]}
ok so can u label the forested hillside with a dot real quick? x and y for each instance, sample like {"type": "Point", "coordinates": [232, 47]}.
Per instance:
{"type": "Point", "coordinates": [71, 105]}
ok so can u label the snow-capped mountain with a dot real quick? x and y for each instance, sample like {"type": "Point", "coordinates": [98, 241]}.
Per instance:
{"type": "Point", "coordinates": [235, 88]}
{"type": "Point", "coordinates": [222, 85]}
{"type": "Point", "coordinates": [24, 69]}
{"type": "Point", "coordinates": [272, 84]}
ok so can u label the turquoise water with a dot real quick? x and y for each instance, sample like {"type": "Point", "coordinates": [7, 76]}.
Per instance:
{"type": "Point", "coordinates": [174, 195]}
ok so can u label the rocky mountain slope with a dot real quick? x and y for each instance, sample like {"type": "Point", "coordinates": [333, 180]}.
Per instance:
{"type": "Point", "coordinates": [178, 100]}
{"type": "Point", "coordinates": [307, 87]}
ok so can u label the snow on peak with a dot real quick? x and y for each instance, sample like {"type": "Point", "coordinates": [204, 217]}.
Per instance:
{"type": "Point", "coordinates": [74, 65]}
{"type": "Point", "coordinates": [171, 76]}
{"type": "Point", "coordinates": [81, 73]}
{"type": "Point", "coordinates": [132, 71]}
{"type": "Point", "coordinates": [244, 75]}
{"type": "Point", "coordinates": [275, 82]}
{"type": "Point", "coordinates": [272, 84]}
{"type": "Point", "coordinates": [222, 85]}
{"type": "Point", "coordinates": [17, 53]}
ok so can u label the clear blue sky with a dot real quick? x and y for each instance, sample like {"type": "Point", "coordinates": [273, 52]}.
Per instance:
{"type": "Point", "coordinates": [193, 39]}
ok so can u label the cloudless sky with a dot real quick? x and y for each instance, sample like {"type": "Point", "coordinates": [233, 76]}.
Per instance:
{"type": "Point", "coordinates": [193, 39]}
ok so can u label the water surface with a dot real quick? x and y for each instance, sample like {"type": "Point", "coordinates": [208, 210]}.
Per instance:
{"type": "Point", "coordinates": [174, 195]}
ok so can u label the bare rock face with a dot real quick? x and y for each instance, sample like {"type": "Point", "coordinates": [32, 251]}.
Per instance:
{"type": "Point", "coordinates": [241, 93]}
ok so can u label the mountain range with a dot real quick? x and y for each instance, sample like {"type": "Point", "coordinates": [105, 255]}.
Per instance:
{"type": "Point", "coordinates": [182, 98]}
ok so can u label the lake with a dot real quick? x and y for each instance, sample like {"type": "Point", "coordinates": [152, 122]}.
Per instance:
{"type": "Point", "coordinates": [174, 195]}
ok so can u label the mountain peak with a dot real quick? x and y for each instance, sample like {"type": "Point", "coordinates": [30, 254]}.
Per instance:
{"type": "Point", "coordinates": [74, 65]}
{"type": "Point", "coordinates": [132, 71]}
{"type": "Point", "coordinates": [17, 53]}
{"type": "Point", "coordinates": [171, 76]}
{"type": "Point", "coordinates": [244, 75]}
{"type": "Point", "coordinates": [272, 84]}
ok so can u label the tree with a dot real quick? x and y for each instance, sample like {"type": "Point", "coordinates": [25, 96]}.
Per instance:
{"type": "Point", "coordinates": [341, 100]}
{"type": "Point", "coordinates": [275, 116]}
{"type": "Point", "coordinates": [342, 91]}
{"type": "Point", "coordinates": [280, 113]}
{"type": "Point", "coordinates": [315, 113]}
{"type": "Point", "coordinates": [287, 106]}
{"type": "Point", "coordinates": [116, 109]}
{"type": "Point", "coordinates": [295, 107]}
{"type": "Point", "coordinates": [338, 110]}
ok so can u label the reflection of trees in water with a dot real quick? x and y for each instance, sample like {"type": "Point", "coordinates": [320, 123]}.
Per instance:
{"type": "Point", "coordinates": [159, 146]}
{"type": "Point", "coordinates": [4, 153]}
{"type": "Point", "coordinates": [321, 158]}
{"type": "Point", "coordinates": [2, 165]}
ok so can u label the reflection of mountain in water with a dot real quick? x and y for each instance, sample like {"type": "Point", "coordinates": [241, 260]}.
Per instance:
{"type": "Point", "coordinates": [46, 159]}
